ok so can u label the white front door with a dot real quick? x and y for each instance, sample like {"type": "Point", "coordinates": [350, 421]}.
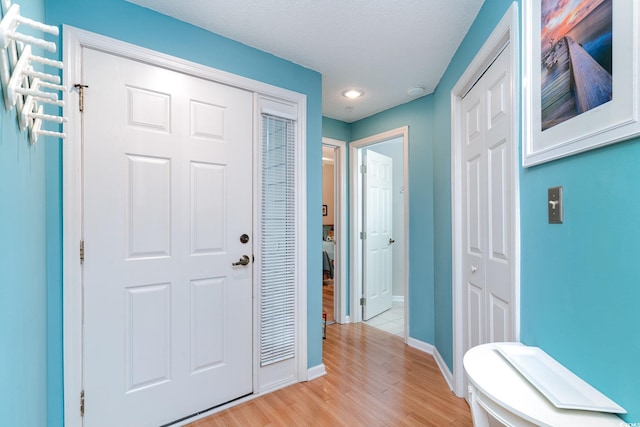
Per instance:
{"type": "Point", "coordinates": [378, 239]}
{"type": "Point", "coordinates": [167, 193]}
{"type": "Point", "coordinates": [487, 208]}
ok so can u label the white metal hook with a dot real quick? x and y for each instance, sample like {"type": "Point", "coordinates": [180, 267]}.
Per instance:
{"type": "Point", "coordinates": [25, 87]}
{"type": "Point", "coordinates": [10, 23]}
{"type": "Point", "coordinates": [36, 129]}
{"type": "Point", "coordinates": [23, 69]}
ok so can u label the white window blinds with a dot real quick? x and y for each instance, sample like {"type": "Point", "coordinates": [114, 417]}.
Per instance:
{"type": "Point", "coordinates": [278, 241]}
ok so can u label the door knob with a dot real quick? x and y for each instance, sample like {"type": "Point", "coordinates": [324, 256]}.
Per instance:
{"type": "Point", "coordinates": [242, 261]}
{"type": "Point", "coordinates": [474, 268]}
{"type": "Point", "coordinates": [391, 241]}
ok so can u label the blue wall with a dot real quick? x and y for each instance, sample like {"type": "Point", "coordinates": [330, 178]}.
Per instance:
{"type": "Point", "coordinates": [125, 21]}
{"type": "Point", "coordinates": [336, 129]}
{"type": "Point", "coordinates": [488, 17]}
{"type": "Point", "coordinates": [579, 284]}
{"type": "Point", "coordinates": [580, 281]}
{"type": "Point", "coordinates": [341, 131]}
{"type": "Point", "coordinates": [418, 116]}
{"type": "Point", "coordinates": [23, 285]}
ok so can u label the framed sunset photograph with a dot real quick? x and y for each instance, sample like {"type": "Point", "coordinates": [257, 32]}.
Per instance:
{"type": "Point", "coordinates": [580, 65]}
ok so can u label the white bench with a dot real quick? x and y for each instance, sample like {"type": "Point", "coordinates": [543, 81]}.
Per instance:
{"type": "Point", "coordinates": [498, 390]}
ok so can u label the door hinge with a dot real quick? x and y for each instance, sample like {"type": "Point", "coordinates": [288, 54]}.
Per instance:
{"type": "Point", "coordinates": [81, 251]}
{"type": "Point", "coordinates": [363, 235]}
{"type": "Point", "coordinates": [80, 88]}
{"type": "Point", "coordinates": [82, 403]}
{"type": "Point", "coordinates": [363, 168]}
{"type": "Point", "coordinates": [363, 301]}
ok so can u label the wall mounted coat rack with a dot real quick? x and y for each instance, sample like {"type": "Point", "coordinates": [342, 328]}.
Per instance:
{"type": "Point", "coordinates": [24, 87]}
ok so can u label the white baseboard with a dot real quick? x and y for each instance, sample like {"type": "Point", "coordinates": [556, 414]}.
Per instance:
{"type": "Point", "coordinates": [420, 345]}
{"type": "Point", "coordinates": [397, 298]}
{"type": "Point", "coordinates": [446, 373]}
{"type": "Point", "coordinates": [316, 372]}
{"type": "Point", "coordinates": [430, 349]}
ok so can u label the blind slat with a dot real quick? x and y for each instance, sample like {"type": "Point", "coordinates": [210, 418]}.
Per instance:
{"type": "Point", "coordinates": [278, 243]}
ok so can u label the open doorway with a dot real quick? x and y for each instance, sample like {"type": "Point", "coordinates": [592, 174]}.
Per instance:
{"type": "Point", "coordinates": [334, 235]}
{"type": "Point", "coordinates": [328, 233]}
{"type": "Point", "coordinates": [379, 224]}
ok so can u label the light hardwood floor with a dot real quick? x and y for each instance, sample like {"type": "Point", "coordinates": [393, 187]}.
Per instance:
{"type": "Point", "coordinates": [373, 379]}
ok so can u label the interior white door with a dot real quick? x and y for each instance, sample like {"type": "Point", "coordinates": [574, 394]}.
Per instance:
{"type": "Point", "coordinates": [378, 241]}
{"type": "Point", "coordinates": [488, 207]}
{"type": "Point", "coordinates": [167, 187]}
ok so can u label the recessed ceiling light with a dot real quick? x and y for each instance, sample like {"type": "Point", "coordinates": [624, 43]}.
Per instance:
{"type": "Point", "coordinates": [416, 91]}
{"type": "Point", "coordinates": [353, 93]}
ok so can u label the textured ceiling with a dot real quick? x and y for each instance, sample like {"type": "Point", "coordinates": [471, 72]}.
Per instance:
{"type": "Point", "coordinates": [383, 47]}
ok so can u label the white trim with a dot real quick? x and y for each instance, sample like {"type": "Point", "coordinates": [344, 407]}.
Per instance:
{"type": "Point", "coordinates": [355, 244]}
{"type": "Point", "coordinates": [433, 351]}
{"type": "Point", "coordinates": [72, 234]}
{"type": "Point", "coordinates": [397, 298]}
{"type": "Point", "coordinates": [340, 273]}
{"type": "Point", "coordinates": [73, 41]}
{"type": "Point", "coordinates": [316, 372]}
{"type": "Point", "coordinates": [356, 219]}
{"type": "Point", "coordinates": [302, 248]}
{"type": "Point", "coordinates": [421, 345]}
{"type": "Point", "coordinates": [271, 377]}
{"type": "Point", "coordinates": [444, 369]}
{"type": "Point", "coordinates": [505, 33]}
{"type": "Point", "coordinates": [271, 380]}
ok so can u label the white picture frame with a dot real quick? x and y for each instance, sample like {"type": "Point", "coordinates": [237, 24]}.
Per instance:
{"type": "Point", "coordinates": [607, 123]}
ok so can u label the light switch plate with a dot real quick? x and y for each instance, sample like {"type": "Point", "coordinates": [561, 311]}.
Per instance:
{"type": "Point", "coordinates": [554, 204]}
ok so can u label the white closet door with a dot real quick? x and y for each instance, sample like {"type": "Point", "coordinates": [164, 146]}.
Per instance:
{"type": "Point", "coordinates": [487, 205]}
{"type": "Point", "coordinates": [167, 195]}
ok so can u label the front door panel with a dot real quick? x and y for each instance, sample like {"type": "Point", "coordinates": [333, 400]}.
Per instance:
{"type": "Point", "coordinates": [167, 187]}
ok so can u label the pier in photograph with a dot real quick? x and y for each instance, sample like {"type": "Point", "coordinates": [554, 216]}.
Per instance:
{"type": "Point", "coordinates": [558, 101]}
{"type": "Point", "coordinates": [592, 82]}
{"type": "Point", "coordinates": [572, 83]}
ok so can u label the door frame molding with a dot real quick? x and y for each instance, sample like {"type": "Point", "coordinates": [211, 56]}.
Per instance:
{"type": "Point", "coordinates": [74, 40]}
{"type": "Point", "coordinates": [505, 34]}
{"type": "Point", "coordinates": [340, 197]}
{"type": "Point", "coordinates": [355, 222]}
